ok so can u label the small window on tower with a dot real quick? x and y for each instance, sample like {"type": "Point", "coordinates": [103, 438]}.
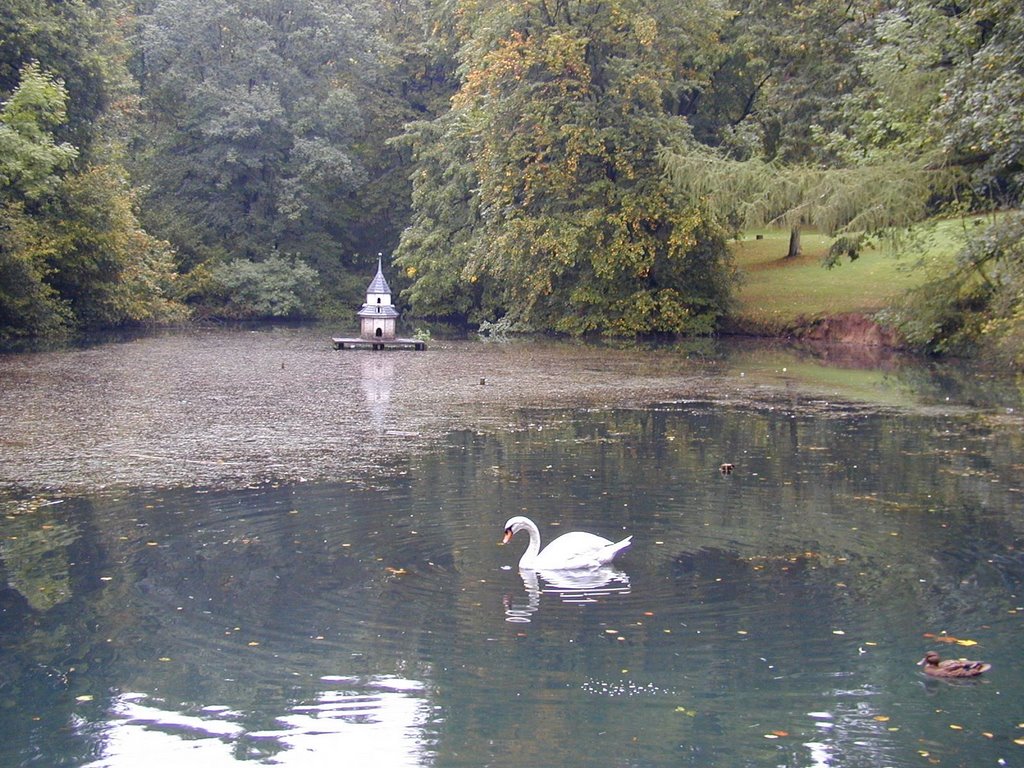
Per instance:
{"type": "Point", "coordinates": [378, 299]}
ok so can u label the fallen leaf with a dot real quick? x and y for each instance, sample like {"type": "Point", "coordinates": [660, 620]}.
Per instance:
{"type": "Point", "coordinates": [882, 718]}
{"type": "Point", "coordinates": [84, 697]}
{"type": "Point", "coordinates": [780, 734]}
{"type": "Point", "coordinates": [956, 727]}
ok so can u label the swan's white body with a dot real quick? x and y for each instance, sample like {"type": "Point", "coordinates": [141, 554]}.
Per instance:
{"type": "Point", "coordinates": [570, 550]}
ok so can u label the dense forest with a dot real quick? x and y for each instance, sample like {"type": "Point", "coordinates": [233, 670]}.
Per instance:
{"type": "Point", "coordinates": [576, 166]}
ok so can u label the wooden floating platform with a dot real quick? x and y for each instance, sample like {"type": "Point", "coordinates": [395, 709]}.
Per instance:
{"type": "Point", "coordinates": [340, 343]}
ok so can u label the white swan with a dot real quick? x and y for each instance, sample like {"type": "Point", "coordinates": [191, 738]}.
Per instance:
{"type": "Point", "coordinates": [576, 549]}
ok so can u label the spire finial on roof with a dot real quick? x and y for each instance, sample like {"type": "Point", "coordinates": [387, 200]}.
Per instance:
{"type": "Point", "coordinates": [379, 284]}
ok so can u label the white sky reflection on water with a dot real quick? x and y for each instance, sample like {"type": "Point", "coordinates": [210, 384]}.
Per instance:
{"type": "Point", "coordinates": [380, 722]}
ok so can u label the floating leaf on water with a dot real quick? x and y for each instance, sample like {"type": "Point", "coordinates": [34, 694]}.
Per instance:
{"type": "Point", "coordinates": [967, 642]}
{"type": "Point", "coordinates": [780, 734]}
{"type": "Point", "coordinates": [396, 571]}
{"type": "Point", "coordinates": [84, 697]}
{"type": "Point", "coordinates": [955, 727]}
{"type": "Point", "coordinates": [882, 718]}
{"type": "Point", "coordinates": [1019, 741]}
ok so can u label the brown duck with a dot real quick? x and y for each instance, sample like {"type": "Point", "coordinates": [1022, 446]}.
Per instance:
{"type": "Point", "coordinates": [952, 667]}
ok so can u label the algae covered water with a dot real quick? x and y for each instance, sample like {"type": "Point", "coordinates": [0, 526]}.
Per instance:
{"type": "Point", "coordinates": [232, 547]}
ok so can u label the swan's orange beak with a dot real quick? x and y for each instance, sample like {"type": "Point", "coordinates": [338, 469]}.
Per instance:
{"type": "Point", "coordinates": [507, 536]}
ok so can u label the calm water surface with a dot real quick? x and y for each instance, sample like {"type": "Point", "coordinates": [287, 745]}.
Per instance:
{"type": "Point", "coordinates": [193, 576]}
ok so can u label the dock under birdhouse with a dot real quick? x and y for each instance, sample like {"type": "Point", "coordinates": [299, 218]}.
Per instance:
{"type": "Point", "coordinates": [377, 343]}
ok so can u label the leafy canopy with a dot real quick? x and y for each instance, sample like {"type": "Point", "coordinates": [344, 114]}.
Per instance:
{"type": "Point", "coordinates": [561, 112]}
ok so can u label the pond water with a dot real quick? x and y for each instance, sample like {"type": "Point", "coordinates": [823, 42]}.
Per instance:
{"type": "Point", "coordinates": [228, 547]}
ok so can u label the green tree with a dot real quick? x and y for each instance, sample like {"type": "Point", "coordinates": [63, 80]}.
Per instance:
{"type": "Point", "coordinates": [31, 161]}
{"type": "Point", "coordinates": [416, 83]}
{"type": "Point", "coordinates": [830, 125]}
{"type": "Point", "coordinates": [572, 227]}
{"type": "Point", "coordinates": [256, 118]}
{"type": "Point", "coordinates": [72, 253]}
{"type": "Point", "coordinates": [276, 287]}
{"type": "Point", "coordinates": [978, 125]}
{"type": "Point", "coordinates": [107, 269]}
{"type": "Point", "coordinates": [980, 114]}
{"type": "Point", "coordinates": [69, 40]}
{"type": "Point", "coordinates": [445, 226]}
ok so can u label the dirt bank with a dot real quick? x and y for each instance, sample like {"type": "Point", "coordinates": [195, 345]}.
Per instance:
{"type": "Point", "coordinates": [854, 328]}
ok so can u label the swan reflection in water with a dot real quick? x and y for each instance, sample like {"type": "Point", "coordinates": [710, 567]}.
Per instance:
{"type": "Point", "coordinates": [577, 585]}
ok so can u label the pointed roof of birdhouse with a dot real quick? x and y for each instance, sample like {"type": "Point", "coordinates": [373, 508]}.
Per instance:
{"type": "Point", "coordinates": [378, 284]}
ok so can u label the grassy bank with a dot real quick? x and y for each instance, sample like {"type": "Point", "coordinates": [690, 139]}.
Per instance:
{"type": "Point", "coordinates": [778, 294]}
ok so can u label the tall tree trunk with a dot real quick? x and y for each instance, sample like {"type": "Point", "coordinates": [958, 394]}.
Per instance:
{"type": "Point", "coordinates": [794, 243]}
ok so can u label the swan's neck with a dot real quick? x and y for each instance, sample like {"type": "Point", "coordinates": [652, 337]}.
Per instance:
{"type": "Point", "coordinates": [533, 550]}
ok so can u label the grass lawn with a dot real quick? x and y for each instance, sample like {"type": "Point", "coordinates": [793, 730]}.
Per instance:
{"type": "Point", "coordinates": [778, 293]}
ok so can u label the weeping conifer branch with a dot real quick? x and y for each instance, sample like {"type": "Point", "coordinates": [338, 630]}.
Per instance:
{"type": "Point", "coordinates": [852, 205]}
